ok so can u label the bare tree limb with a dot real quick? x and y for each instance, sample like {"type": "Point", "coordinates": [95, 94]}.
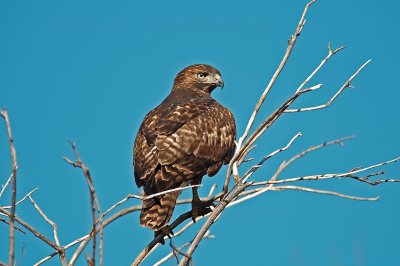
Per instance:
{"type": "Point", "coordinates": [18, 229]}
{"type": "Point", "coordinates": [285, 164]}
{"type": "Point", "coordinates": [327, 192]}
{"type": "Point", "coordinates": [349, 174]}
{"type": "Point", "coordinates": [254, 168]}
{"type": "Point", "coordinates": [95, 205]}
{"type": "Point", "coordinates": [330, 54]}
{"type": "Point", "coordinates": [241, 191]}
{"type": "Point", "coordinates": [55, 231]}
{"type": "Point", "coordinates": [233, 165]}
{"type": "Point", "coordinates": [374, 183]}
{"type": "Point", "coordinates": [155, 242]}
{"type": "Point", "coordinates": [21, 200]}
{"type": "Point", "coordinates": [86, 238]}
{"type": "Point", "coordinates": [33, 231]}
{"type": "Point", "coordinates": [291, 42]}
{"type": "Point", "coordinates": [211, 219]}
{"type": "Point", "coordinates": [179, 250]}
{"type": "Point", "coordinates": [14, 166]}
{"type": "Point", "coordinates": [3, 187]}
{"type": "Point", "coordinates": [344, 86]}
{"type": "Point", "coordinates": [149, 248]}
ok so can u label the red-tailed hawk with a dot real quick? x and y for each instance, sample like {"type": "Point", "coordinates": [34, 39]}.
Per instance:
{"type": "Point", "coordinates": [186, 137]}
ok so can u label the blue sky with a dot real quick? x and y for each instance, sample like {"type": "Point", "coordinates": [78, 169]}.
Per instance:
{"type": "Point", "coordinates": [90, 70]}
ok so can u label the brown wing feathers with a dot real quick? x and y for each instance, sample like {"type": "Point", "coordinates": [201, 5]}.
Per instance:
{"type": "Point", "coordinates": [187, 136]}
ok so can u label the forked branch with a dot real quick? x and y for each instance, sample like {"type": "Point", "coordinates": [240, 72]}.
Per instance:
{"type": "Point", "coordinates": [13, 177]}
{"type": "Point", "coordinates": [95, 206]}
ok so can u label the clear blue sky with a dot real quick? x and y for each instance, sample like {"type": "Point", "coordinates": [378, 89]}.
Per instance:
{"type": "Point", "coordinates": [90, 70]}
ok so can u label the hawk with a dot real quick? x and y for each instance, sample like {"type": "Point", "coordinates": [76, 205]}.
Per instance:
{"type": "Point", "coordinates": [184, 138]}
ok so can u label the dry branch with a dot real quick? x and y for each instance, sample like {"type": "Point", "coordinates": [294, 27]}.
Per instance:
{"type": "Point", "coordinates": [55, 231]}
{"type": "Point", "coordinates": [95, 206]}
{"type": "Point", "coordinates": [254, 168]}
{"type": "Point", "coordinates": [211, 219]}
{"type": "Point", "coordinates": [14, 167]}
{"type": "Point", "coordinates": [33, 231]}
{"type": "Point", "coordinates": [349, 174]}
{"type": "Point", "coordinates": [21, 200]}
{"type": "Point", "coordinates": [149, 248]}
{"type": "Point", "coordinates": [3, 187]}
{"type": "Point", "coordinates": [291, 42]}
{"type": "Point", "coordinates": [344, 86]}
{"type": "Point", "coordinates": [327, 192]}
{"type": "Point", "coordinates": [240, 192]}
{"type": "Point", "coordinates": [16, 228]}
{"type": "Point", "coordinates": [179, 250]}
{"type": "Point", "coordinates": [330, 54]}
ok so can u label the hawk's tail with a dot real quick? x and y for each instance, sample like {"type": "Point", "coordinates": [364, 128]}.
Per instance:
{"type": "Point", "coordinates": [157, 212]}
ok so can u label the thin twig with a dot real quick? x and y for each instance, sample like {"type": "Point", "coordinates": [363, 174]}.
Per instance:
{"type": "Point", "coordinates": [171, 254]}
{"type": "Point", "coordinates": [33, 231]}
{"type": "Point", "coordinates": [21, 200]}
{"type": "Point", "coordinates": [374, 183]}
{"type": "Point", "coordinates": [254, 168]}
{"type": "Point", "coordinates": [14, 166]}
{"type": "Point", "coordinates": [211, 219]}
{"type": "Point", "coordinates": [133, 196]}
{"type": "Point", "coordinates": [344, 86]}
{"type": "Point", "coordinates": [327, 192]}
{"type": "Point", "coordinates": [86, 238]}
{"type": "Point", "coordinates": [3, 187]}
{"type": "Point", "coordinates": [52, 224]}
{"type": "Point", "coordinates": [18, 229]}
{"type": "Point", "coordinates": [330, 54]}
{"type": "Point", "coordinates": [95, 206]}
{"type": "Point", "coordinates": [291, 42]}
{"type": "Point", "coordinates": [150, 247]}
{"type": "Point", "coordinates": [285, 164]}
{"type": "Point", "coordinates": [267, 123]}
{"type": "Point", "coordinates": [349, 174]}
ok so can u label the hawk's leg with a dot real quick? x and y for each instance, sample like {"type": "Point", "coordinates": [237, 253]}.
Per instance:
{"type": "Point", "coordinates": [199, 207]}
{"type": "Point", "coordinates": [164, 231]}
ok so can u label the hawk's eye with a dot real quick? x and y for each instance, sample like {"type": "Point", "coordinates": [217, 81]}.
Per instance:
{"type": "Point", "coordinates": [201, 75]}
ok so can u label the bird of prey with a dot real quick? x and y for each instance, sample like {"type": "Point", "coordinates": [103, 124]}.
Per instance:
{"type": "Point", "coordinates": [184, 138]}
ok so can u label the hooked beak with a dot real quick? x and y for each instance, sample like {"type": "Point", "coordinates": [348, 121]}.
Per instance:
{"type": "Point", "coordinates": [219, 81]}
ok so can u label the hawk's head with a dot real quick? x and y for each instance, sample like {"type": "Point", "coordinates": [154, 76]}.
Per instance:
{"type": "Point", "coordinates": [201, 76]}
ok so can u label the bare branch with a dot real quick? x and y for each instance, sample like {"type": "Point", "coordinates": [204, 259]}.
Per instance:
{"type": "Point", "coordinates": [291, 42]}
{"type": "Point", "coordinates": [33, 231]}
{"type": "Point", "coordinates": [374, 183]}
{"type": "Point", "coordinates": [3, 187]}
{"type": "Point", "coordinates": [227, 198]}
{"type": "Point", "coordinates": [254, 168]}
{"type": "Point", "coordinates": [86, 238]}
{"type": "Point", "coordinates": [150, 247]}
{"type": "Point", "coordinates": [344, 86]}
{"type": "Point", "coordinates": [52, 224]}
{"type": "Point", "coordinates": [95, 205]}
{"type": "Point", "coordinates": [211, 219]}
{"type": "Point", "coordinates": [349, 174]}
{"type": "Point", "coordinates": [162, 192]}
{"type": "Point", "coordinates": [5, 221]}
{"type": "Point", "coordinates": [212, 189]}
{"type": "Point", "coordinates": [318, 191]}
{"type": "Point", "coordinates": [14, 166]}
{"type": "Point", "coordinates": [284, 165]}
{"type": "Point", "coordinates": [130, 196]}
{"type": "Point", "coordinates": [330, 54]}
{"type": "Point", "coordinates": [178, 250]}
{"type": "Point", "coordinates": [21, 200]}
{"type": "Point", "coordinates": [267, 123]}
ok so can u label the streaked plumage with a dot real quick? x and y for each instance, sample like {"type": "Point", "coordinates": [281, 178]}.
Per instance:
{"type": "Point", "coordinates": [186, 137]}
